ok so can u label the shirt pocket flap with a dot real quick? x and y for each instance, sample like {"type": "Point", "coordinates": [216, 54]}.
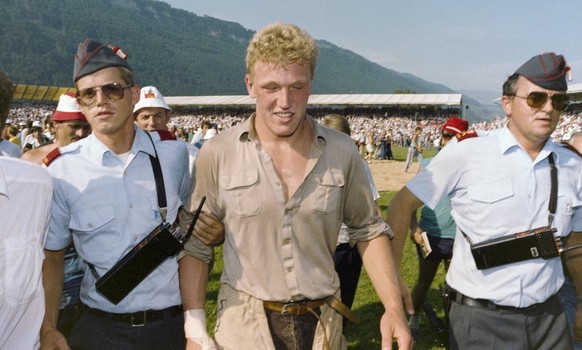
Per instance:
{"type": "Point", "coordinates": [238, 179]}
{"type": "Point", "coordinates": [91, 219]}
{"type": "Point", "coordinates": [333, 177]}
{"type": "Point", "coordinates": [239, 193]}
{"type": "Point", "coordinates": [490, 193]}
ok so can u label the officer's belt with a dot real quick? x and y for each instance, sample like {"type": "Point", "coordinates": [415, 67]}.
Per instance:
{"type": "Point", "coordinates": [139, 318]}
{"type": "Point", "coordinates": [488, 304]}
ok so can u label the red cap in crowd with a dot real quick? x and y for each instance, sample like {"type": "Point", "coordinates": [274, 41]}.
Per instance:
{"type": "Point", "coordinates": [455, 125]}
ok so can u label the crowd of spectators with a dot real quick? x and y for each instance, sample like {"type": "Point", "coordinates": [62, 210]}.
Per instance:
{"type": "Point", "coordinates": [394, 125]}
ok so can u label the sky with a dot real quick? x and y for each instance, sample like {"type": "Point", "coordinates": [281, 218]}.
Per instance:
{"type": "Point", "coordinates": [466, 45]}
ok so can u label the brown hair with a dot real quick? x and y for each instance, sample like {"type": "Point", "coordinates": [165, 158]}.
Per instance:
{"type": "Point", "coordinates": [337, 122]}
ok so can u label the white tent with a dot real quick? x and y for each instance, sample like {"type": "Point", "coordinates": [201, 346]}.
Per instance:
{"type": "Point", "coordinates": [328, 100]}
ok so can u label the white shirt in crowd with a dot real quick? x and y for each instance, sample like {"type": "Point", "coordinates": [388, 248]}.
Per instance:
{"type": "Point", "coordinates": [25, 201]}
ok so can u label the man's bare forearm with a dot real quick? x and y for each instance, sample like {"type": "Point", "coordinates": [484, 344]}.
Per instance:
{"type": "Point", "coordinates": [400, 212]}
{"type": "Point", "coordinates": [193, 282]}
{"type": "Point", "coordinates": [377, 257]}
{"type": "Point", "coordinates": [573, 260]}
{"type": "Point", "coordinates": [53, 270]}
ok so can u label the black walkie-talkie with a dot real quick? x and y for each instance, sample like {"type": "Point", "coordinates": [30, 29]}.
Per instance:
{"type": "Point", "coordinates": [146, 256]}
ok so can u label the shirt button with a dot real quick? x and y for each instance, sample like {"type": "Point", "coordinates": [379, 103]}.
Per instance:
{"type": "Point", "coordinates": [289, 269]}
{"type": "Point", "coordinates": [288, 241]}
{"type": "Point", "coordinates": [135, 238]}
{"type": "Point", "coordinates": [130, 206]}
{"type": "Point", "coordinates": [90, 226]}
{"type": "Point", "coordinates": [125, 173]}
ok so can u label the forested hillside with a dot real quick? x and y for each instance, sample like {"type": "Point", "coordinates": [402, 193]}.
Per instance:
{"type": "Point", "coordinates": [175, 50]}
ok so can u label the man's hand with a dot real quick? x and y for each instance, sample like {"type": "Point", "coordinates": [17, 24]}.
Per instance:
{"type": "Point", "coordinates": [52, 339]}
{"type": "Point", "coordinates": [393, 326]}
{"type": "Point", "coordinates": [415, 235]}
{"type": "Point", "coordinates": [200, 344]}
{"type": "Point", "coordinates": [197, 337]}
{"type": "Point", "coordinates": [209, 230]}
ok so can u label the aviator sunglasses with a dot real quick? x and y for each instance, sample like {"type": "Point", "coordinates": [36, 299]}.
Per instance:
{"type": "Point", "coordinates": [113, 92]}
{"type": "Point", "coordinates": [538, 99]}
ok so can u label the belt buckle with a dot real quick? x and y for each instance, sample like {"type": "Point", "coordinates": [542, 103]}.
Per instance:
{"type": "Point", "coordinates": [138, 319]}
{"type": "Point", "coordinates": [284, 310]}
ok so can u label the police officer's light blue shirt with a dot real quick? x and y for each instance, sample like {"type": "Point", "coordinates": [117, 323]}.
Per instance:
{"type": "Point", "coordinates": [500, 191]}
{"type": "Point", "coordinates": [108, 207]}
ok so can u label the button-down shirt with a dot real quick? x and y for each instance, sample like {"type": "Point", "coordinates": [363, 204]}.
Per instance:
{"type": "Point", "coordinates": [276, 249]}
{"type": "Point", "coordinates": [25, 199]}
{"type": "Point", "coordinates": [109, 206]}
{"type": "Point", "coordinates": [496, 190]}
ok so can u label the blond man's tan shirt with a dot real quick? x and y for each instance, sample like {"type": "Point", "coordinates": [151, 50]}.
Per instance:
{"type": "Point", "coordinates": [276, 250]}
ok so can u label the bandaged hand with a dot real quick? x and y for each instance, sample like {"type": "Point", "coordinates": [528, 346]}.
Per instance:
{"type": "Point", "coordinates": [195, 330]}
{"type": "Point", "coordinates": [203, 344]}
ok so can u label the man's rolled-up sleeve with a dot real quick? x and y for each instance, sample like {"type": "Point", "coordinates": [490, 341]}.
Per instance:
{"type": "Point", "coordinates": [360, 212]}
{"type": "Point", "coordinates": [59, 235]}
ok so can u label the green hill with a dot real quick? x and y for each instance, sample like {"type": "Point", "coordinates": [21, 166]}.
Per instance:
{"type": "Point", "coordinates": [177, 51]}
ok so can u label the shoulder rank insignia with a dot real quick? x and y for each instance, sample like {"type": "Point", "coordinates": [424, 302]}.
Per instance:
{"type": "Point", "coordinates": [466, 135]}
{"type": "Point", "coordinates": [54, 154]}
{"type": "Point", "coordinates": [166, 135]}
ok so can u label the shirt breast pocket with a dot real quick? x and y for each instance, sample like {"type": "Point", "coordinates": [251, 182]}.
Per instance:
{"type": "Point", "coordinates": [328, 191]}
{"type": "Point", "coordinates": [237, 189]}
{"type": "Point", "coordinates": [22, 267]}
{"type": "Point", "coordinates": [91, 219]}
{"type": "Point", "coordinates": [482, 195]}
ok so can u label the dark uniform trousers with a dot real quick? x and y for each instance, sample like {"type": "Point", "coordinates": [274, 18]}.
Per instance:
{"type": "Point", "coordinates": [96, 330]}
{"type": "Point", "coordinates": [541, 327]}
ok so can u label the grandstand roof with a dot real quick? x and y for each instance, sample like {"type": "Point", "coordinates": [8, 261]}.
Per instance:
{"type": "Point", "coordinates": [41, 93]}
{"type": "Point", "coordinates": [327, 100]}
{"type": "Point", "coordinates": [575, 91]}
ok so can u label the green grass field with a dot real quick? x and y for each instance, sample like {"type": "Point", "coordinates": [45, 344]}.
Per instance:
{"type": "Point", "coordinates": [400, 153]}
{"type": "Point", "coordinates": [366, 334]}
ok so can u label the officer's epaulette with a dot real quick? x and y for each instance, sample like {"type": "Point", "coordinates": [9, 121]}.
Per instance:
{"type": "Point", "coordinates": [570, 147]}
{"type": "Point", "coordinates": [466, 135]}
{"type": "Point", "coordinates": [166, 135]}
{"type": "Point", "coordinates": [54, 154]}
{"type": "Point", "coordinates": [57, 152]}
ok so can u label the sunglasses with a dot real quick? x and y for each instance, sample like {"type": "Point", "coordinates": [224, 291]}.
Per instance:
{"type": "Point", "coordinates": [538, 99]}
{"type": "Point", "coordinates": [113, 92]}
{"type": "Point", "coordinates": [447, 135]}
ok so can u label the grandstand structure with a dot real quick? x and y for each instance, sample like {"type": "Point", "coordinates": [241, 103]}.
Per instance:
{"type": "Point", "coordinates": [575, 92]}
{"type": "Point", "coordinates": [40, 93]}
{"type": "Point", "coordinates": [329, 100]}
{"type": "Point", "coordinates": [52, 93]}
